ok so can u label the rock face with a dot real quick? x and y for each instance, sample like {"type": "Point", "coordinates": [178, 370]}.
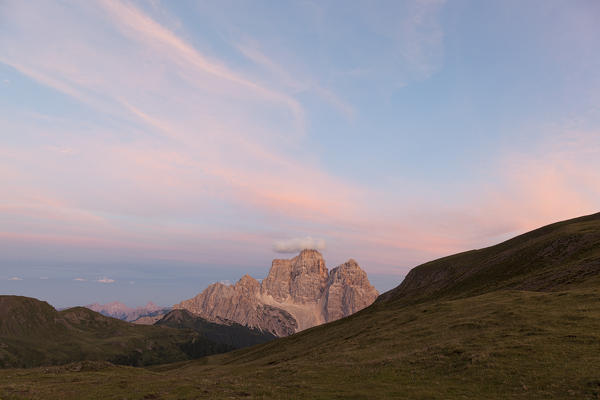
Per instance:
{"type": "Point", "coordinates": [348, 291]}
{"type": "Point", "coordinates": [297, 294]}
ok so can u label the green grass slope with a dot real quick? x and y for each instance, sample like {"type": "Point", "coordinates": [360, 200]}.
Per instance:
{"type": "Point", "coordinates": [558, 256]}
{"type": "Point", "coordinates": [33, 333]}
{"type": "Point", "coordinates": [520, 320]}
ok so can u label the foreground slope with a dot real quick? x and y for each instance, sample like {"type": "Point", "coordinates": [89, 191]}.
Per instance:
{"type": "Point", "coordinates": [467, 338]}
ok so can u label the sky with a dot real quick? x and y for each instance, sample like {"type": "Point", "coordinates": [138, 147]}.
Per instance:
{"type": "Point", "coordinates": [150, 148]}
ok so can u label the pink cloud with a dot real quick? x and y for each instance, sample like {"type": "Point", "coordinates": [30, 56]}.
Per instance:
{"type": "Point", "coordinates": [531, 191]}
{"type": "Point", "coordinates": [559, 180]}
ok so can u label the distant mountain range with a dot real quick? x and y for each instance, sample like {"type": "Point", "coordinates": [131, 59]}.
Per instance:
{"type": "Point", "coordinates": [120, 311]}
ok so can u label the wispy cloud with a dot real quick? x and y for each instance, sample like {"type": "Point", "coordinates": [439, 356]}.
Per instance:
{"type": "Point", "coordinates": [80, 279]}
{"type": "Point", "coordinates": [15, 278]}
{"type": "Point", "coordinates": [296, 245]}
{"type": "Point", "coordinates": [62, 150]}
{"type": "Point", "coordinates": [139, 26]}
{"type": "Point", "coordinates": [285, 77]}
{"type": "Point", "coordinates": [105, 280]}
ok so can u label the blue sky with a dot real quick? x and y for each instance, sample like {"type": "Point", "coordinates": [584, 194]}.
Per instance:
{"type": "Point", "coordinates": [161, 146]}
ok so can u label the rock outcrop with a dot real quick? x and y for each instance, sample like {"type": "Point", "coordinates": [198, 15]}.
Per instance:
{"type": "Point", "coordinates": [297, 294]}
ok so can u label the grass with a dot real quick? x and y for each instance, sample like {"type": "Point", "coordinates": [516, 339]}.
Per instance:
{"type": "Point", "coordinates": [505, 344]}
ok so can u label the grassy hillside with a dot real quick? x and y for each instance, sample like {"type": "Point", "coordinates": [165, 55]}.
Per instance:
{"type": "Point", "coordinates": [33, 333]}
{"type": "Point", "coordinates": [558, 256]}
{"type": "Point", "coordinates": [231, 334]}
{"type": "Point", "coordinates": [519, 320]}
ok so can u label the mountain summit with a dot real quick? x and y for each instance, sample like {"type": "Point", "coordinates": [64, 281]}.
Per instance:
{"type": "Point", "coordinates": [298, 293]}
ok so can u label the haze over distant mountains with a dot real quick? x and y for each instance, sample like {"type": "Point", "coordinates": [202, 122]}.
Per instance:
{"type": "Point", "coordinates": [298, 293]}
{"type": "Point", "coordinates": [116, 309]}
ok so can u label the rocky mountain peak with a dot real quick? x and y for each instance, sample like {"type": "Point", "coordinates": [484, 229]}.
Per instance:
{"type": "Point", "coordinates": [247, 280]}
{"type": "Point", "coordinates": [308, 262]}
{"type": "Point", "coordinates": [298, 293]}
{"type": "Point", "coordinates": [308, 276]}
{"type": "Point", "coordinates": [310, 254]}
{"type": "Point", "coordinates": [349, 291]}
{"type": "Point", "coordinates": [248, 284]}
{"type": "Point", "coordinates": [349, 273]}
{"type": "Point", "coordinates": [300, 279]}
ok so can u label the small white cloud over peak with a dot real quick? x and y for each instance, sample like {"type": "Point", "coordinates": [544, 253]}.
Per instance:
{"type": "Point", "coordinates": [80, 279]}
{"type": "Point", "coordinates": [106, 280]}
{"type": "Point", "coordinates": [62, 150]}
{"type": "Point", "coordinates": [298, 244]}
{"type": "Point", "coordinates": [15, 278]}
